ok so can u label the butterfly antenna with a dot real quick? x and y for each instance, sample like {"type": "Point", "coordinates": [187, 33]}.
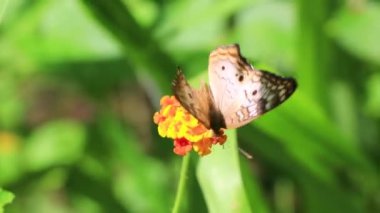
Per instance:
{"type": "Point", "coordinates": [245, 153]}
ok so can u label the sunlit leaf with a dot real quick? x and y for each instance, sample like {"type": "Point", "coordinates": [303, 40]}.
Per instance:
{"type": "Point", "coordinates": [48, 34]}
{"type": "Point", "coordinates": [358, 31]}
{"type": "Point", "coordinates": [55, 143]}
{"type": "Point", "coordinates": [5, 198]}
{"type": "Point", "coordinates": [266, 33]}
{"type": "Point", "coordinates": [220, 178]}
{"type": "Point", "coordinates": [208, 18]}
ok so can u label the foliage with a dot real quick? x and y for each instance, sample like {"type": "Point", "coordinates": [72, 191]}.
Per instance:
{"type": "Point", "coordinates": [81, 80]}
{"type": "Point", "coordinates": [5, 198]}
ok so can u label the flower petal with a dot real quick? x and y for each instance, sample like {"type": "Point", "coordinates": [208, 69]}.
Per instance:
{"type": "Point", "coordinates": [188, 133]}
{"type": "Point", "coordinates": [182, 146]}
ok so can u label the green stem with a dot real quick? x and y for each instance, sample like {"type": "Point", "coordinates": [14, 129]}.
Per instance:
{"type": "Point", "coordinates": [181, 183]}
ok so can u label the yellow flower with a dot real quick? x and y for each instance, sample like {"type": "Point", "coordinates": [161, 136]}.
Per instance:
{"type": "Point", "coordinates": [187, 132]}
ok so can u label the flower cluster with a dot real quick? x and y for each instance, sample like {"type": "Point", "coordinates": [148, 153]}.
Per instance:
{"type": "Point", "coordinates": [188, 133]}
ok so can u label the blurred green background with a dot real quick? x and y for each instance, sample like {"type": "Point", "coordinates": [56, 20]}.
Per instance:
{"type": "Point", "coordinates": [81, 79]}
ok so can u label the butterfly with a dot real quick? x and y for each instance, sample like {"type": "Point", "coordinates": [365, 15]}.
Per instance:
{"type": "Point", "coordinates": [238, 93]}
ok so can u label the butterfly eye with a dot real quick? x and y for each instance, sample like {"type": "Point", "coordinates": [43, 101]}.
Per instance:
{"type": "Point", "coordinates": [241, 78]}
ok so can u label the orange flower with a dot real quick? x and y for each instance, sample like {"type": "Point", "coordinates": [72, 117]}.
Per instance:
{"type": "Point", "coordinates": [182, 146]}
{"type": "Point", "coordinates": [188, 133]}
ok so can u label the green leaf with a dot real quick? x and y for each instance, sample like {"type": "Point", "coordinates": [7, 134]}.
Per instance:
{"type": "Point", "coordinates": [141, 180]}
{"type": "Point", "coordinates": [291, 125]}
{"type": "Point", "coordinates": [266, 33]}
{"type": "Point", "coordinates": [207, 17]}
{"type": "Point", "coordinates": [55, 143]}
{"type": "Point", "coordinates": [372, 105]}
{"type": "Point", "coordinates": [358, 31]}
{"type": "Point", "coordinates": [47, 33]}
{"type": "Point", "coordinates": [5, 198]}
{"type": "Point", "coordinates": [220, 178]}
{"type": "Point", "coordinates": [143, 51]}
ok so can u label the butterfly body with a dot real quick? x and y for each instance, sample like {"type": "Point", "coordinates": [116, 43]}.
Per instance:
{"type": "Point", "coordinates": [237, 94]}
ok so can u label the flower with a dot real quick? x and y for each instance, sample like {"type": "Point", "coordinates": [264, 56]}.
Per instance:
{"type": "Point", "coordinates": [188, 133]}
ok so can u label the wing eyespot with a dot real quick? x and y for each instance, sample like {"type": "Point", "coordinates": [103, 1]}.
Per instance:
{"type": "Point", "coordinates": [254, 92]}
{"type": "Point", "coordinates": [223, 67]}
{"type": "Point", "coordinates": [241, 78]}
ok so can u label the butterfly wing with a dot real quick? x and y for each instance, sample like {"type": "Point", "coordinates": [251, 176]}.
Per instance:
{"type": "Point", "coordinates": [194, 101]}
{"type": "Point", "coordinates": [241, 92]}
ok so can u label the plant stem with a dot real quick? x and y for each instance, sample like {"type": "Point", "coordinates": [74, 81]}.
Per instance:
{"type": "Point", "coordinates": [181, 184]}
